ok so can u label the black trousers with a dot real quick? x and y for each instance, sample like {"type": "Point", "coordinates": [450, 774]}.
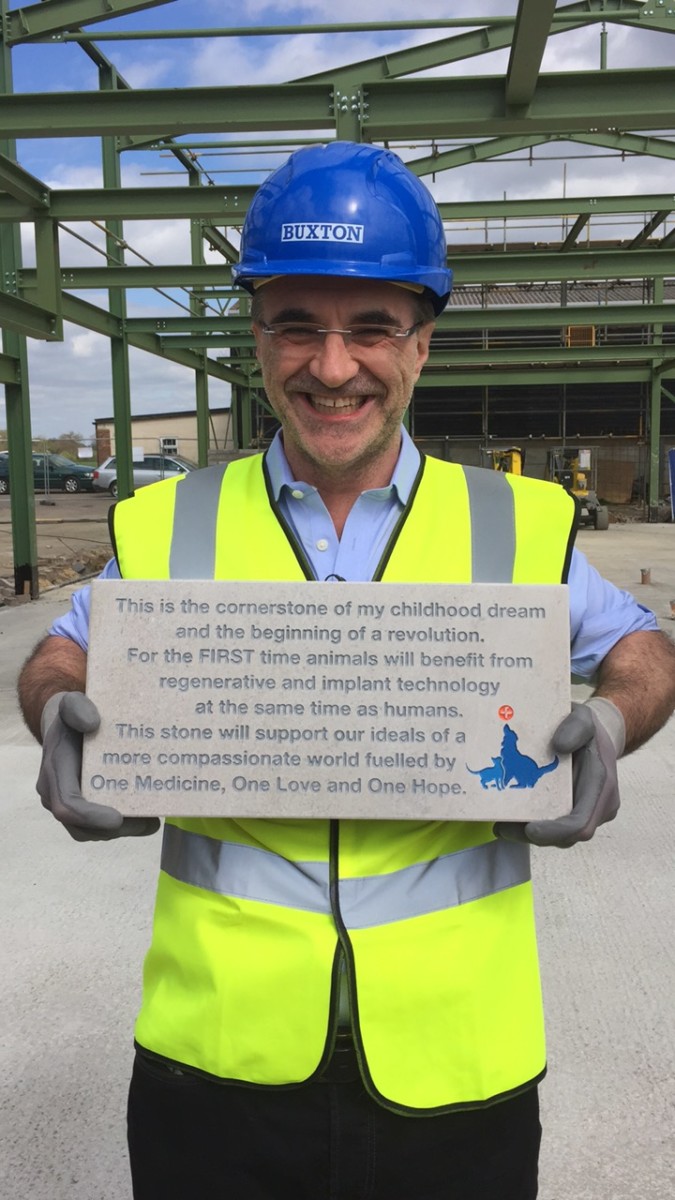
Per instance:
{"type": "Point", "coordinates": [190, 1139]}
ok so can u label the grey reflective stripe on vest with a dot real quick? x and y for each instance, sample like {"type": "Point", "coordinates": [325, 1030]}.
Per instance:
{"type": "Point", "coordinates": [193, 541]}
{"type": "Point", "coordinates": [493, 525]}
{"type": "Point", "coordinates": [245, 871]}
{"type": "Point", "coordinates": [249, 873]}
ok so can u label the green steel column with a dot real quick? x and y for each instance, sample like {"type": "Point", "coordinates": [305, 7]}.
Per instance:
{"type": "Point", "coordinates": [655, 417]}
{"type": "Point", "coordinates": [17, 395]}
{"type": "Point", "coordinates": [117, 301]}
{"type": "Point", "coordinates": [235, 416]}
{"type": "Point", "coordinates": [202, 404]}
{"type": "Point", "coordinates": [198, 308]}
{"type": "Point", "coordinates": [249, 401]}
{"type": "Point", "coordinates": [245, 407]}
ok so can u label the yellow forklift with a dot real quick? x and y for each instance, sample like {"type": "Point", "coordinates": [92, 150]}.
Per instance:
{"type": "Point", "coordinates": [510, 459]}
{"type": "Point", "coordinates": [573, 468]}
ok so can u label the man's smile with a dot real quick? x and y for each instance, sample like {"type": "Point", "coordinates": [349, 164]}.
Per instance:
{"type": "Point", "coordinates": [334, 404]}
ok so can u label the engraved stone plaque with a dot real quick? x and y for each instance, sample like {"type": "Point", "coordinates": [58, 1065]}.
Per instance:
{"type": "Point", "coordinates": [364, 700]}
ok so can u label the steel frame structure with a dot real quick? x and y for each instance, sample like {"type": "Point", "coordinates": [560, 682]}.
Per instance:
{"type": "Point", "coordinates": [385, 100]}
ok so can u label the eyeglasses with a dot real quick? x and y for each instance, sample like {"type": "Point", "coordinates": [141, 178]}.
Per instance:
{"type": "Point", "coordinates": [303, 333]}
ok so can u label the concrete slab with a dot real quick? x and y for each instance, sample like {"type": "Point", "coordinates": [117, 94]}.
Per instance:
{"type": "Point", "coordinates": [75, 923]}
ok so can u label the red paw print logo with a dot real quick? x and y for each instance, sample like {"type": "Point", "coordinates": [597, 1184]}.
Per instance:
{"type": "Point", "coordinates": [506, 712]}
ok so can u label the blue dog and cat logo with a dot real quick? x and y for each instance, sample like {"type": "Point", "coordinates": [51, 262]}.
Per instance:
{"type": "Point", "coordinates": [511, 769]}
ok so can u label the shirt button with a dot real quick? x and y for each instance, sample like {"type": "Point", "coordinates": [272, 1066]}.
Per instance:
{"type": "Point", "coordinates": [322, 544]}
{"type": "Point", "coordinates": [297, 494]}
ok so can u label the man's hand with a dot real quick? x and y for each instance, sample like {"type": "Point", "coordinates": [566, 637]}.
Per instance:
{"type": "Point", "coordinates": [594, 734]}
{"type": "Point", "coordinates": [65, 719]}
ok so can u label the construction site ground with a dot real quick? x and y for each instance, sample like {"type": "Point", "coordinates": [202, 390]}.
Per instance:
{"type": "Point", "coordinates": [75, 923]}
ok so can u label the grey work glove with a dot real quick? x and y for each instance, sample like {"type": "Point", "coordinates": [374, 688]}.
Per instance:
{"type": "Point", "coordinates": [594, 733]}
{"type": "Point", "coordinates": [65, 718]}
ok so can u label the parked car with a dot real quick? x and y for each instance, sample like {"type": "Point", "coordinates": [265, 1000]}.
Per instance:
{"type": "Point", "coordinates": [147, 470]}
{"type": "Point", "coordinates": [51, 472]}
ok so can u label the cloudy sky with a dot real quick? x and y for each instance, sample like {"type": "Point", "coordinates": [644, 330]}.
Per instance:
{"type": "Point", "coordinates": [70, 381]}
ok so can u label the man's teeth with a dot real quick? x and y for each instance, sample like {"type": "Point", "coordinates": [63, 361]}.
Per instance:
{"type": "Point", "coordinates": [338, 402]}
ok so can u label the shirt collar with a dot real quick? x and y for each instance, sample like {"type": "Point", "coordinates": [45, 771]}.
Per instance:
{"type": "Point", "coordinates": [402, 480]}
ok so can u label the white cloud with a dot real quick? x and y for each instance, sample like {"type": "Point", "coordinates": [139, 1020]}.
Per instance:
{"type": "Point", "coordinates": [71, 382]}
{"type": "Point", "coordinates": [65, 175]}
{"type": "Point", "coordinates": [150, 70]}
{"type": "Point", "coordinates": [87, 345]}
{"type": "Point", "coordinates": [266, 61]}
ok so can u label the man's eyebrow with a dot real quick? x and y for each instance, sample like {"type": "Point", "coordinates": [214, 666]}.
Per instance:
{"type": "Point", "coordinates": [292, 314]}
{"type": "Point", "coordinates": [375, 316]}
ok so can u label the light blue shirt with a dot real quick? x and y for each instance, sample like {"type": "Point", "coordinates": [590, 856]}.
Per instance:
{"type": "Point", "coordinates": [600, 613]}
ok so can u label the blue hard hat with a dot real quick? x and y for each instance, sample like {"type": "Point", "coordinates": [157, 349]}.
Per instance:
{"type": "Point", "coordinates": [349, 209]}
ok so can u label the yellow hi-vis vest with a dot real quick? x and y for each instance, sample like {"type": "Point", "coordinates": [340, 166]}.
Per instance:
{"type": "Point", "coordinates": [434, 919]}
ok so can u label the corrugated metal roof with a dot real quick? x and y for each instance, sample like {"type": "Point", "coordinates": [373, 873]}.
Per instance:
{"type": "Point", "coordinates": [604, 292]}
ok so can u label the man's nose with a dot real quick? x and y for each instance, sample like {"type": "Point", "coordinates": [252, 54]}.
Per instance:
{"type": "Point", "coordinates": [332, 362]}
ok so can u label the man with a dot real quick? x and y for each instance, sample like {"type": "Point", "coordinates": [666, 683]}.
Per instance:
{"type": "Point", "coordinates": [348, 1008]}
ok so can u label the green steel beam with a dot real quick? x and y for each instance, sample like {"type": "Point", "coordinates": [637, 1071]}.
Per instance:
{"type": "Point", "coordinates": [29, 319]}
{"type": "Point", "coordinates": [233, 329]}
{"type": "Point", "coordinates": [41, 20]}
{"type": "Point", "coordinates": [628, 12]}
{"type": "Point", "coordinates": [531, 317]}
{"type": "Point", "coordinates": [421, 58]}
{"type": "Point", "coordinates": [205, 341]}
{"type": "Point", "coordinates": [572, 102]}
{"type": "Point", "coordinates": [455, 380]}
{"type": "Point", "coordinates": [532, 27]}
{"type": "Point", "coordinates": [489, 267]}
{"type": "Point", "coordinates": [232, 324]}
{"type": "Point", "coordinates": [577, 264]}
{"type": "Point", "coordinates": [255, 31]}
{"type": "Point", "coordinates": [486, 355]}
{"type": "Point", "coordinates": [649, 228]}
{"type": "Point", "coordinates": [185, 358]}
{"type": "Point", "coordinates": [576, 229]}
{"type": "Point", "coordinates": [629, 143]}
{"type": "Point", "coordinates": [90, 316]}
{"type": "Point", "coordinates": [564, 103]}
{"type": "Point", "coordinates": [227, 205]}
{"type": "Point", "coordinates": [473, 152]}
{"type": "Point", "coordinates": [505, 375]}
{"type": "Point", "coordinates": [181, 275]}
{"type": "Point", "coordinates": [497, 356]}
{"type": "Point", "coordinates": [218, 242]}
{"type": "Point", "coordinates": [25, 188]}
{"type": "Point", "coordinates": [488, 358]}
{"type": "Point", "coordinates": [167, 111]}
{"type": "Point", "coordinates": [48, 270]}
{"type": "Point", "coordinates": [556, 206]}
{"type": "Point", "coordinates": [631, 9]}
{"type": "Point", "coordinates": [10, 369]}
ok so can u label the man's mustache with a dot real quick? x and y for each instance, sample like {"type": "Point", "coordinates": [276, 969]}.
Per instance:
{"type": "Point", "coordinates": [360, 385]}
